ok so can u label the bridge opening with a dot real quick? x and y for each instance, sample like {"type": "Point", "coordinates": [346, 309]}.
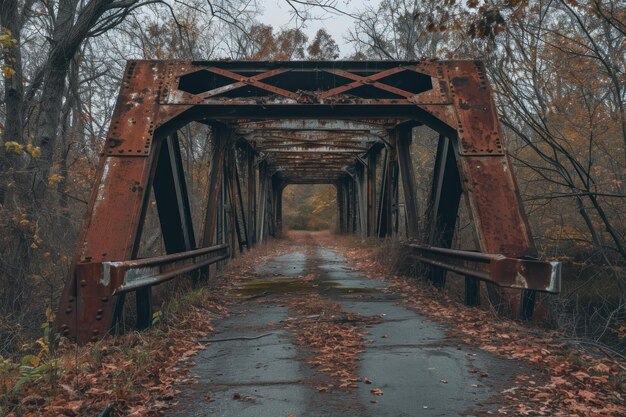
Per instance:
{"type": "Point", "coordinates": [262, 128]}
{"type": "Point", "coordinates": [311, 207]}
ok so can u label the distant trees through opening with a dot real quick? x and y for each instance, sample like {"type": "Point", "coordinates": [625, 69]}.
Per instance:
{"type": "Point", "coordinates": [310, 207]}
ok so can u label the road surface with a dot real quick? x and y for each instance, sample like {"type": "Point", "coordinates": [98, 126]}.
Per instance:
{"type": "Point", "coordinates": [256, 367]}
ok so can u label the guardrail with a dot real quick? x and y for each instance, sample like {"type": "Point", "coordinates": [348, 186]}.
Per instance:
{"type": "Point", "coordinates": [94, 303]}
{"type": "Point", "coordinates": [140, 273]}
{"type": "Point", "coordinates": [501, 270]}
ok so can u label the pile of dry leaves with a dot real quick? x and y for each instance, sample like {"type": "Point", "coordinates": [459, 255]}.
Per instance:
{"type": "Point", "coordinates": [335, 338]}
{"type": "Point", "coordinates": [135, 374]}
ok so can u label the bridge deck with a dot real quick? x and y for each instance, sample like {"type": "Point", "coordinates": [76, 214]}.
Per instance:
{"type": "Point", "coordinates": [311, 336]}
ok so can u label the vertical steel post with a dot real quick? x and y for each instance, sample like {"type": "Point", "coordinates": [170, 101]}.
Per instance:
{"type": "Point", "coordinates": [170, 193]}
{"type": "Point", "coordinates": [277, 187]}
{"type": "Point", "coordinates": [393, 216]}
{"type": "Point", "coordinates": [244, 236]}
{"type": "Point", "coordinates": [350, 205]}
{"type": "Point", "coordinates": [222, 232]}
{"type": "Point", "coordinates": [339, 208]}
{"type": "Point", "coordinates": [384, 200]}
{"type": "Point", "coordinates": [209, 236]}
{"type": "Point", "coordinates": [404, 137]}
{"type": "Point", "coordinates": [231, 207]}
{"type": "Point", "coordinates": [262, 230]}
{"type": "Point", "coordinates": [472, 291]}
{"type": "Point", "coordinates": [271, 204]}
{"type": "Point", "coordinates": [354, 201]}
{"type": "Point", "coordinates": [445, 199]}
{"type": "Point", "coordinates": [361, 179]}
{"type": "Point", "coordinates": [371, 192]}
{"type": "Point", "coordinates": [252, 203]}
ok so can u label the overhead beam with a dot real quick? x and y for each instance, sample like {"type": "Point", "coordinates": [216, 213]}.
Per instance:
{"type": "Point", "coordinates": [372, 125]}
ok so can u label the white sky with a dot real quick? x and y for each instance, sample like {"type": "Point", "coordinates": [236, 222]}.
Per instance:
{"type": "Point", "coordinates": [279, 14]}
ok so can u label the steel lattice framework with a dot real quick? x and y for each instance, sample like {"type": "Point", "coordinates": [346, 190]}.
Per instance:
{"type": "Point", "coordinates": [297, 122]}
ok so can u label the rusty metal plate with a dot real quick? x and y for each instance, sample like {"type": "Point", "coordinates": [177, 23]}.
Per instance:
{"type": "Point", "coordinates": [116, 210]}
{"type": "Point", "coordinates": [135, 116]}
{"type": "Point", "coordinates": [478, 127]}
{"type": "Point", "coordinates": [495, 206]}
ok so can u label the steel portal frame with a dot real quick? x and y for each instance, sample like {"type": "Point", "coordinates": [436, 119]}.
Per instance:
{"type": "Point", "coordinates": [296, 122]}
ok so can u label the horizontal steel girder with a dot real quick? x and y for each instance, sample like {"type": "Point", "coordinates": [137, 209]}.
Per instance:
{"type": "Point", "coordinates": [324, 148]}
{"type": "Point", "coordinates": [313, 136]}
{"type": "Point", "coordinates": [375, 126]}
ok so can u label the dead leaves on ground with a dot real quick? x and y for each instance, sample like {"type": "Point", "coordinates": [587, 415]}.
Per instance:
{"type": "Point", "coordinates": [335, 338]}
{"type": "Point", "coordinates": [138, 373]}
{"type": "Point", "coordinates": [576, 383]}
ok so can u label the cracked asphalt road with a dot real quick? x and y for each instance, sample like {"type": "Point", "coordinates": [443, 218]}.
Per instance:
{"type": "Point", "coordinates": [255, 369]}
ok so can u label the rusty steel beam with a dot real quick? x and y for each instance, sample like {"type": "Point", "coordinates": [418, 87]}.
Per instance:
{"type": "Point", "coordinates": [252, 197]}
{"type": "Point", "coordinates": [374, 126]}
{"type": "Point", "coordinates": [318, 170]}
{"type": "Point", "coordinates": [371, 193]}
{"type": "Point", "coordinates": [243, 81]}
{"type": "Point", "coordinates": [404, 137]}
{"type": "Point", "coordinates": [360, 81]}
{"type": "Point", "coordinates": [445, 197]}
{"type": "Point", "coordinates": [287, 164]}
{"type": "Point", "coordinates": [498, 269]}
{"type": "Point", "coordinates": [307, 156]}
{"type": "Point", "coordinates": [316, 149]}
{"type": "Point", "coordinates": [170, 191]}
{"type": "Point", "coordinates": [348, 143]}
{"type": "Point", "coordinates": [313, 136]}
{"type": "Point", "coordinates": [215, 187]}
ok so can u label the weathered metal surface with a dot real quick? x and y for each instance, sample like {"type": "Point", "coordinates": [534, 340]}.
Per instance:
{"type": "Point", "coordinates": [496, 209]}
{"type": "Point", "coordinates": [129, 276]}
{"type": "Point", "coordinates": [117, 206]}
{"type": "Point", "coordinates": [478, 128]}
{"type": "Point", "coordinates": [403, 142]}
{"type": "Point", "coordinates": [376, 126]}
{"type": "Point", "coordinates": [334, 83]}
{"type": "Point", "coordinates": [504, 271]}
{"type": "Point", "coordinates": [303, 122]}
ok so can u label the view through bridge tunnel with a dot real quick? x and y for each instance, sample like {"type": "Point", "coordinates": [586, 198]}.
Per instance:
{"type": "Point", "coordinates": [413, 150]}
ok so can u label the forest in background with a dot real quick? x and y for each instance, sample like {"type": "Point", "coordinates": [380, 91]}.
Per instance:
{"type": "Point", "coordinates": [310, 207]}
{"type": "Point", "coordinates": [557, 66]}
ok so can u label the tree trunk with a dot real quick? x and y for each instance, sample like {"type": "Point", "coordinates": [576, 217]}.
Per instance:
{"type": "Point", "coordinates": [13, 95]}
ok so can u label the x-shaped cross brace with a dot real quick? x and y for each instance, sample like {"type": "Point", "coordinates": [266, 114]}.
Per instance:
{"type": "Point", "coordinates": [242, 81]}
{"type": "Point", "coordinates": [255, 81]}
{"type": "Point", "coordinates": [369, 80]}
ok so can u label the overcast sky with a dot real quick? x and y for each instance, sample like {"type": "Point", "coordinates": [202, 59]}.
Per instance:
{"type": "Point", "coordinates": [278, 14]}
